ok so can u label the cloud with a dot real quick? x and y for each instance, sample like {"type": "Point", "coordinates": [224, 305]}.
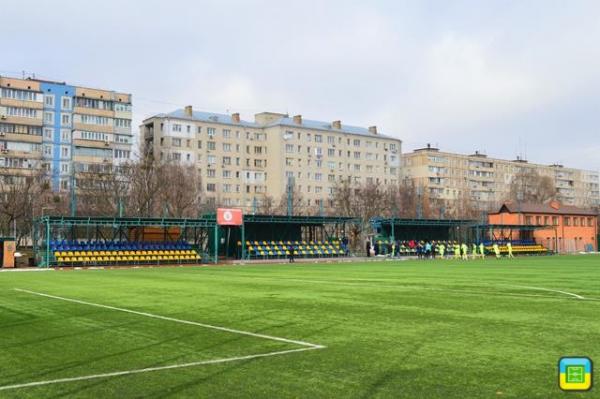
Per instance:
{"type": "Point", "coordinates": [468, 75]}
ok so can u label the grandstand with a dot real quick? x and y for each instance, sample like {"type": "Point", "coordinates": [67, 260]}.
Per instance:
{"type": "Point", "coordinates": [273, 236]}
{"type": "Point", "coordinates": [99, 241]}
{"type": "Point", "coordinates": [71, 253]}
{"type": "Point", "coordinates": [520, 236]}
{"type": "Point", "coordinates": [302, 249]}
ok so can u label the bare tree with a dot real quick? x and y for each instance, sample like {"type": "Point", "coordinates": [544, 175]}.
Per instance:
{"type": "Point", "coordinates": [21, 200]}
{"type": "Point", "coordinates": [102, 190]}
{"type": "Point", "coordinates": [181, 190]}
{"type": "Point", "coordinates": [529, 186]}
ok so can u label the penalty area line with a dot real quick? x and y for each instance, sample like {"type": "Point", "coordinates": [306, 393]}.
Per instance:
{"type": "Point", "coordinates": [181, 321]}
{"type": "Point", "coordinates": [158, 368]}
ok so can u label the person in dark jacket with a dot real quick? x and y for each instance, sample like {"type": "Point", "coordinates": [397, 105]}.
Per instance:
{"type": "Point", "coordinates": [368, 248]}
{"type": "Point", "coordinates": [291, 255]}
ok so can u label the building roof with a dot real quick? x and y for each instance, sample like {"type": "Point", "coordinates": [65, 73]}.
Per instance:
{"type": "Point", "coordinates": [327, 126]}
{"type": "Point", "coordinates": [206, 117]}
{"type": "Point", "coordinates": [283, 121]}
{"type": "Point", "coordinates": [552, 207]}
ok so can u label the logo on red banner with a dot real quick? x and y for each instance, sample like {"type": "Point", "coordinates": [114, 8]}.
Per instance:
{"type": "Point", "coordinates": [229, 217]}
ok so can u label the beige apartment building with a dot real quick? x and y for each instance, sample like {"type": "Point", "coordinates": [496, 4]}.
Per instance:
{"type": "Point", "coordinates": [487, 181]}
{"type": "Point", "coordinates": [241, 162]}
{"type": "Point", "coordinates": [60, 129]}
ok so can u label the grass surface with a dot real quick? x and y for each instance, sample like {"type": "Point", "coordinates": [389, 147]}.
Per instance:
{"type": "Point", "coordinates": [429, 329]}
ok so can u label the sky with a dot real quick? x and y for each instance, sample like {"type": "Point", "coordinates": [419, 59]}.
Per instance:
{"type": "Point", "coordinates": [506, 78]}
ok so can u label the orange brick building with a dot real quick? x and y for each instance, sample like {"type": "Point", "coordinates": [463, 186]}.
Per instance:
{"type": "Point", "coordinates": [567, 228]}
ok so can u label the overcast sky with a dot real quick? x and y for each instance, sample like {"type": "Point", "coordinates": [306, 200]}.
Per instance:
{"type": "Point", "coordinates": [504, 77]}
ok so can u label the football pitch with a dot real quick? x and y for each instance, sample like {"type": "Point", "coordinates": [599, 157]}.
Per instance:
{"type": "Point", "coordinates": [390, 329]}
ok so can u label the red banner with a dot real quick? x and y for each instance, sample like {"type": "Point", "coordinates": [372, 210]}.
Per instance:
{"type": "Point", "coordinates": [229, 217]}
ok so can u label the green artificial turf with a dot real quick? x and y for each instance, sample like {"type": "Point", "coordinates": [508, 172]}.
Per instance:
{"type": "Point", "coordinates": [403, 329]}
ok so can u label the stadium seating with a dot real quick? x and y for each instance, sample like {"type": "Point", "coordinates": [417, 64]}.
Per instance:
{"type": "Point", "coordinates": [90, 253]}
{"type": "Point", "coordinates": [520, 247]}
{"type": "Point", "coordinates": [302, 249]}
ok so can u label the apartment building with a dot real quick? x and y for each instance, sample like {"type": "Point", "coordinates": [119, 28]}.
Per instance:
{"type": "Point", "coordinates": [241, 162]}
{"type": "Point", "coordinates": [487, 181]}
{"type": "Point", "coordinates": [60, 129]}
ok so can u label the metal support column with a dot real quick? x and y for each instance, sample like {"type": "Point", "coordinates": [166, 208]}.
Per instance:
{"type": "Point", "coordinates": [47, 263]}
{"type": "Point", "coordinates": [216, 242]}
{"type": "Point", "coordinates": [243, 255]}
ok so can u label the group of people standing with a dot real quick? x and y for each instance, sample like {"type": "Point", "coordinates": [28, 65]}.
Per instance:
{"type": "Point", "coordinates": [436, 249]}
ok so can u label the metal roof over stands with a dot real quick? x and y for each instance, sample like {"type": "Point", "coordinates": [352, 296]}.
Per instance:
{"type": "Point", "coordinates": [422, 222]}
{"type": "Point", "coordinates": [205, 221]}
{"type": "Point", "coordinates": [303, 220]}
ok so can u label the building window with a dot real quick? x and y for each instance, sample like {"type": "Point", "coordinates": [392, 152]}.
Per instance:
{"type": "Point", "coordinates": [211, 145]}
{"type": "Point", "coordinates": [226, 147]}
{"type": "Point", "coordinates": [49, 100]}
{"type": "Point", "coordinates": [16, 94]}
{"type": "Point", "coordinates": [211, 187]}
{"type": "Point", "coordinates": [66, 102]}
{"type": "Point", "coordinates": [176, 142]}
{"type": "Point", "coordinates": [122, 154]}
{"type": "Point", "coordinates": [96, 120]}
{"type": "Point", "coordinates": [566, 221]}
{"type": "Point", "coordinates": [49, 117]}
{"type": "Point", "coordinates": [211, 131]}
{"type": "Point", "coordinates": [65, 119]}
{"type": "Point", "coordinates": [126, 123]}
{"type": "Point", "coordinates": [555, 220]}
{"type": "Point", "coordinates": [211, 173]}
{"type": "Point", "coordinates": [528, 220]}
{"type": "Point", "coordinates": [176, 127]}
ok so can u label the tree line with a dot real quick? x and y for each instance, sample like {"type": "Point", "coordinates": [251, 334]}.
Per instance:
{"type": "Point", "coordinates": [150, 188]}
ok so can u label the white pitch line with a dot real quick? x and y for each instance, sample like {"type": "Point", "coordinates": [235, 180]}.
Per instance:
{"type": "Point", "coordinates": [159, 368]}
{"type": "Point", "coordinates": [193, 323]}
{"type": "Point", "coordinates": [549, 290]}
